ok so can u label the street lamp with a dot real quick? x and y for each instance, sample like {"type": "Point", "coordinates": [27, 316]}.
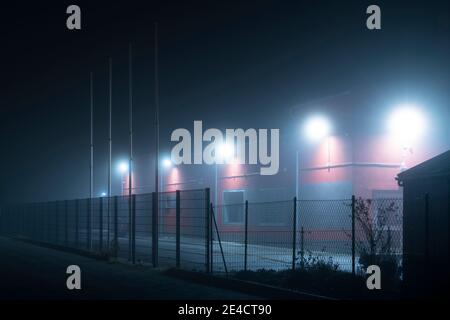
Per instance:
{"type": "Point", "coordinates": [315, 129]}
{"type": "Point", "coordinates": [123, 169]}
{"type": "Point", "coordinates": [224, 154]}
{"type": "Point", "coordinates": [166, 164]}
{"type": "Point", "coordinates": [406, 124]}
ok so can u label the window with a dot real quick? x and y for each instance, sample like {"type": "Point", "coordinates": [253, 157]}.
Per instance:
{"type": "Point", "coordinates": [233, 206]}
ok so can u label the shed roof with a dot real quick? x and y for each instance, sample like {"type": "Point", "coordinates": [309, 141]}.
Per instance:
{"type": "Point", "coordinates": [437, 166]}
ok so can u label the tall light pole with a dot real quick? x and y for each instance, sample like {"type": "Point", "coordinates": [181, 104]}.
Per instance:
{"type": "Point", "coordinates": [110, 148]}
{"type": "Point", "coordinates": [155, 220]}
{"type": "Point", "coordinates": [130, 103]}
{"type": "Point", "coordinates": [156, 120]}
{"type": "Point", "coordinates": [297, 174]}
{"type": "Point", "coordinates": [91, 167]}
{"type": "Point", "coordinates": [156, 108]}
{"type": "Point", "coordinates": [130, 166]}
{"type": "Point", "coordinates": [91, 163]}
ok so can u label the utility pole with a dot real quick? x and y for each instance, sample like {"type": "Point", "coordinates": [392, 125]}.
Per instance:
{"type": "Point", "coordinates": [156, 118]}
{"type": "Point", "coordinates": [130, 165]}
{"type": "Point", "coordinates": [130, 90]}
{"type": "Point", "coordinates": [91, 167]}
{"type": "Point", "coordinates": [297, 174]}
{"type": "Point", "coordinates": [110, 148]}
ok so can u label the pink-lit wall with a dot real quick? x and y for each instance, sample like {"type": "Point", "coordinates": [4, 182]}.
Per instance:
{"type": "Point", "coordinates": [366, 162]}
{"type": "Point", "coordinates": [370, 162]}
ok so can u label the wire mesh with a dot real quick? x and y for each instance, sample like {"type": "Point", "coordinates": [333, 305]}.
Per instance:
{"type": "Point", "coordinates": [282, 235]}
{"type": "Point", "coordinates": [273, 235]}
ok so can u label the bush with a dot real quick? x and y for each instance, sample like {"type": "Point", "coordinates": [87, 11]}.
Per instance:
{"type": "Point", "coordinates": [376, 246]}
{"type": "Point", "coordinates": [390, 270]}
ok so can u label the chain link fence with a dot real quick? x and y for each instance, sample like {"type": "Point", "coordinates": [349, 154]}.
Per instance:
{"type": "Point", "coordinates": [128, 228]}
{"type": "Point", "coordinates": [346, 234]}
{"type": "Point", "coordinates": [186, 231]}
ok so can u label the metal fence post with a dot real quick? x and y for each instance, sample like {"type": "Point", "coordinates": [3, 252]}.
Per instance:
{"type": "Point", "coordinates": [43, 211]}
{"type": "Point", "coordinates": [246, 236]}
{"type": "Point", "coordinates": [66, 223]}
{"type": "Point", "coordinates": [208, 233]}
{"type": "Point", "coordinates": [211, 237]}
{"type": "Point", "coordinates": [213, 218]}
{"type": "Point", "coordinates": [19, 220]}
{"type": "Point", "coordinates": [426, 234]}
{"type": "Point", "coordinates": [56, 222]}
{"type": "Point", "coordinates": [47, 234]}
{"type": "Point", "coordinates": [302, 248]}
{"type": "Point", "coordinates": [23, 228]}
{"type": "Point", "coordinates": [43, 219]}
{"type": "Point", "coordinates": [178, 236]}
{"type": "Point", "coordinates": [77, 229]}
{"type": "Point", "coordinates": [130, 229]}
{"type": "Point", "coordinates": [39, 222]}
{"type": "Point", "coordinates": [22, 221]}
{"type": "Point", "coordinates": [36, 221]}
{"type": "Point", "coordinates": [101, 225]}
{"type": "Point", "coordinates": [294, 234]}
{"type": "Point", "coordinates": [50, 222]}
{"type": "Point", "coordinates": [21, 224]}
{"type": "Point", "coordinates": [26, 220]}
{"type": "Point", "coordinates": [31, 220]}
{"type": "Point", "coordinates": [353, 235]}
{"type": "Point", "coordinates": [108, 224]}
{"type": "Point", "coordinates": [133, 228]}
{"type": "Point", "coordinates": [88, 222]}
{"type": "Point", "coordinates": [116, 229]}
{"type": "Point", "coordinates": [155, 228]}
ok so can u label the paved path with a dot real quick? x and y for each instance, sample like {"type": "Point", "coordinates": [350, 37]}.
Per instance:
{"type": "Point", "coordinates": [29, 271]}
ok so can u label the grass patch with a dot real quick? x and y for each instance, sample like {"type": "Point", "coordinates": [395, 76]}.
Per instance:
{"type": "Point", "coordinates": [322, 277]}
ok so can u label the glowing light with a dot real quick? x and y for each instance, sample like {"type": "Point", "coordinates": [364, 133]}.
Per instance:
{"type": "Point", "coordinates": [123, 167]}
{"type": "Point", "coordinates": [167, 163]}
{"type": "Point", "coordinates": [406, 124]}
{"type": "Point", "coordinates": [103, 194]}
{"type": "Point", "coordinates": [317, 128]}
{"type": "Point", "coordinates": [225, 152]}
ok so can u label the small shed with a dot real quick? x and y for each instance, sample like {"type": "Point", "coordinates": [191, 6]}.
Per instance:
{"type": "Point", "coordinates": [426, 211]}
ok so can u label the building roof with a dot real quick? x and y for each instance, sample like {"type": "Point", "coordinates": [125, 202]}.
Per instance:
{"type": "Point", "coordinates": [437, 166]}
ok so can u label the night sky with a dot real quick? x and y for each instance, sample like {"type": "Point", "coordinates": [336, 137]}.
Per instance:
{"type": "Point", "coordinates": [230, 63]}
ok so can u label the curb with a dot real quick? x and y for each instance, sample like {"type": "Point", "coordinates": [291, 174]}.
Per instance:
{"type": "Point", "coordinates": [249, 287]}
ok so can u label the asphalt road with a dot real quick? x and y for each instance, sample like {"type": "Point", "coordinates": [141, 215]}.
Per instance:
{"type": "Point", "coordinates": [28, 271]}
